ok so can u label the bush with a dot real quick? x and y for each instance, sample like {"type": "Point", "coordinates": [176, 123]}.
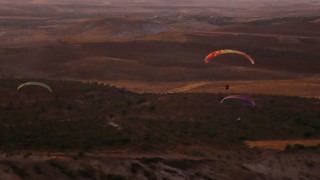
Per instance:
{"type": "Point", "coordinates": [310, 164]}
{"type": "Point", "coordinates": [112, 177]}
{"type": "Point", "coordinates": [298, 146]}
{"type": "Point", "coordinates": [287, 148]}
{"type": "Point", "coordinates": [37, 169]}
{"type": "Point", "coordinates": [62, 169]}
{"type": "Point", "coordinates": [141, 100]}
{"type": "Point", "coordinates": [69, 107]}
{"type": "Point", "coordinates": [135, 167]}
{"type": "Point", "coordinates": [124, 112]}
{"type": "Point", "coordinates": [27, 154]}
{"type": "Point", "coordinates": [153, 108]}
{"type": "Point", "coordinates": [149, 175]}
{"type": "Point", "coordinates": [151, 160]}
{"type": "Point", "coordinates": [86, 173]}
{"type": "Point", "coordinates": [18, 171]}
{"type": "Point", "coordinates": [81, 154]}
{"type": "Point", "coordinates": [9, 107]}
{"type": "Point", "coordinates": [307, 134]}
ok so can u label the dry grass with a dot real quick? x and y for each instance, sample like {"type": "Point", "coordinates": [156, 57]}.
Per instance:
{"type": "Point", "coordinates": [303, 87]}
{"type": "Point", "coordinates": [281, 144]}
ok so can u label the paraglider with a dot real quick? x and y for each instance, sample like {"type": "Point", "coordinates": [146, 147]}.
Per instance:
{"type": "Point", "coordinates": [246, 99]}
{"type": "Point", "coordinates": [228, 51]}
{"type": "Point", "coordinates": [34, 84]}
{"type": "Point", "coordinates": [227, 86]}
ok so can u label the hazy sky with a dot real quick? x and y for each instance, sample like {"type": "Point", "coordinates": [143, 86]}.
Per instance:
{"type": "Point", "coordinates": [250, 7]}
{"type": "Point", "coordinates": [229, 2]}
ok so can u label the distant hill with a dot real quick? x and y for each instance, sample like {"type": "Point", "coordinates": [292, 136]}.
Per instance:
{"type": "Point", "coordinates": [116, 28]}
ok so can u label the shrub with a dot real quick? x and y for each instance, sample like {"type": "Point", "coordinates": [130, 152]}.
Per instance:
{"type": "Point", "coordinates": [62, 169]}
{"type": "Point", "coordinates": [307, 134]}
{"type": "Point", "coordinates": [298, 146]}
{"type": "Point", "coordinates": [310, 164]}
{"type": "Point", "coordinates": [135, 167]}
{"type": "Point", "coordinates": [153, 108]}
{"type": "Point", "coordinates": [18, 171]}
{"type": "Point", "coordinates": [86, 173]}
{"type": "Point", "coordinates": [27, 154]}
{"type": "Point", "coordinates": [149, 175]}
{"type": "Point", "coordinates": [141, 100]}
{"type": "Point", "coordinates": [9, 107]}
{"type": "Point", "coordinates": [37, 169]}
{"type": "Point", "coordinates": [112, 177]}
{"type": "Point", "coordinates": [287, 148]}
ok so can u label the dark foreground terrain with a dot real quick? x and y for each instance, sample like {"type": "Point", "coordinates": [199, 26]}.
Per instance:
{"type": "Point", "coordinates": [92, 131]}
{"type": "Point", "coordinates": [298, 164]}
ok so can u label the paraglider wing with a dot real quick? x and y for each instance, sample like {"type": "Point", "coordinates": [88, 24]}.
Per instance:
{"type": "Point", "coordinates": [247, 99]}
{"type": "Point", "coordinates": [228, 51]}
{"type": "Point", "coordinates": [35, 84]}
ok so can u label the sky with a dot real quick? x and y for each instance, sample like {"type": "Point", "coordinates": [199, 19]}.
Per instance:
{"type": "Point", "coordinates": [168, 2]}
{"type": "Point", "coordinates": [268, 7]}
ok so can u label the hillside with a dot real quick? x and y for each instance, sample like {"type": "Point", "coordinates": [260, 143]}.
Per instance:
{"type": "Point", "coordinates": [147, 122]}
{"type": "Point", "coordinates": [133, 99]}
{"type": "Point", "coordinates": [150, 50]}
{"type": "Point", "coordinates": [146, 135]}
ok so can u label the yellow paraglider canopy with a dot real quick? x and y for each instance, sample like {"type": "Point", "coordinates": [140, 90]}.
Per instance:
{"type": "Point", "coordinates": [34, 84]}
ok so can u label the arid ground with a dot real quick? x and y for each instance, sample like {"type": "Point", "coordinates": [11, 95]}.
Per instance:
{"type": "Point", "coordinates": [133, 98]}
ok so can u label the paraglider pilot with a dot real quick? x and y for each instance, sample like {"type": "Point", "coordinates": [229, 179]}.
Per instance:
{"type": "Point", "coordinates": [227, 86]}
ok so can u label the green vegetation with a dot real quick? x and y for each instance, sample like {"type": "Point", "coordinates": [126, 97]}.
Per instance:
{"type": "Point", "coordinates": [153, 108]}
{"type": "Point", "coordinates": [297, 147]}
{"type": "Point", "coordinates": [104, 176]}
{"type": "Point", "coordinates": [150, 160]}
{"type": "Point", "coordinates": [310, 164]}
{"type": "Point", "coordinates": [87, 173]}
{"type": "Point", "coordinates": [135, 167]}
{"type": "Point", "coordinates": [37, 169]}
{"type": "Point", "coordinates": [76, 116]}
{"type": "Point", "coordinates": [149, 174]}
{"type": "Point", "coordinates": [62, 168]}
{"type": "Point", "coordinates": [17, 170]}
{"type": "Point", "coordinates": [282, 19]}
{"type": "Point", "coordinates": [288, 148]}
